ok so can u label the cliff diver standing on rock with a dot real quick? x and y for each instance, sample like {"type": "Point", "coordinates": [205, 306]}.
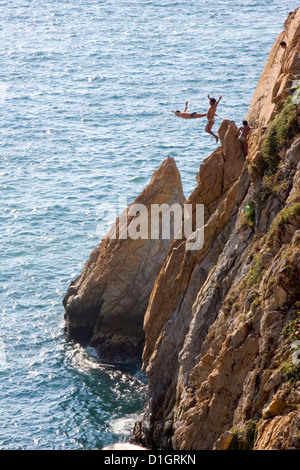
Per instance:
{"type": "Point", "coordinates": [242, 134]}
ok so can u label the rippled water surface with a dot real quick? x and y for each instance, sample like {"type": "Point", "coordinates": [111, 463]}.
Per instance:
{"type": "Point", "coordinates": [86, 93]}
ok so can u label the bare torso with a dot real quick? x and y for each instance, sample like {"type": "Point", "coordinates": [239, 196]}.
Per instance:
{"type": "Point", "coordinates": [245, 131]}
{"type": "Point", "coordinates": [185, 115]}
{"type": "Point", "coordinates": [211, 112]}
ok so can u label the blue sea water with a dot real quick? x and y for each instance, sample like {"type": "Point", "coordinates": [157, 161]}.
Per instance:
{"type": "Point", "coordinates": [86, 93]}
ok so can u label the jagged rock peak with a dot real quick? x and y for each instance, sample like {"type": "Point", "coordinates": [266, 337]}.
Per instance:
{"type": "Point", "coordinates": [105, 305]}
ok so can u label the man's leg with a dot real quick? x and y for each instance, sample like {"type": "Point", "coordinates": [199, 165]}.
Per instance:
{"type": "Point", "coordinates": [198, 115]}
{"type": "Point", "coordinates": [244, 145]}
{"type": "Point", "coordinates": [208, 127]}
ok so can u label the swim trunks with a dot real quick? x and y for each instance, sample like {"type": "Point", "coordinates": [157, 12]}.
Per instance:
{"type": "Point", "coordinates": [193, 114]}
{"type": "Point", "coordinates": [242, 139]}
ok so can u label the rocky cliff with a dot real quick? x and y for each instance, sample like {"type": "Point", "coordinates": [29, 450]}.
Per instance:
{"type": "Point", "coordinates": [216, 327]}
{"type": "Point", "coordinates": [221, 322]}
{"type": "Point", "coordinates": [105, 305]}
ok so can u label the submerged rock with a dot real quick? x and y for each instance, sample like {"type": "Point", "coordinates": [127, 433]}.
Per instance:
{"type": "Point", "coordinates": [105, 305]}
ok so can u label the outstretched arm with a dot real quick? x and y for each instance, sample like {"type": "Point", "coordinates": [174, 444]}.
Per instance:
{"type": "Point", "coordinates": [186, 105]}
{"type": "Point", "coordinates": [218, 101]}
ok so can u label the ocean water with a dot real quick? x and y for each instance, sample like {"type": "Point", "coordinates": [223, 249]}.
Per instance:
{"type": "Point", "coordinates": [86, 93]}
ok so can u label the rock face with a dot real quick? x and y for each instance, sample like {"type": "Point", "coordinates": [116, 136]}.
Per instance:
{"type": "Point", "coordinates": [222, 321]}
{"type": "Point", "coordinates": [223, 181]}
{"type": "Point", "coordinates": [181, 264]}
{"type": "Point", "coordinates": [281, 70]}
{"type": "Point", "coordinates": [218, 327]}
{"type": "Point", "coordinates": [106, 303]}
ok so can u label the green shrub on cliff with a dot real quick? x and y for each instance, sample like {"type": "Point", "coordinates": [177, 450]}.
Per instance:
{"type": "Point", "coordinates": [281, 130]}
{"type": "Point", "coordinates": [250, 209]}
{"type": "Point", "coordinates": [291, 372]}
{"type": "Point", "coordinates": [290, 211]}
{"type": "Point", "coordinates": [292, 329]}
{"type": "Point", "coordinates": [283, 216]}
{"type": "Point", "coordinates": [245, 440]}
{"type": "Point", "coordinates": [247, 215]}
{"type": "Point", "coordinates": [255, 272]}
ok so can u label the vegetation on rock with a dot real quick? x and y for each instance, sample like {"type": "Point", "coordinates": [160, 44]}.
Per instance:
{"type": "Point", "coordinates": [280, 132]}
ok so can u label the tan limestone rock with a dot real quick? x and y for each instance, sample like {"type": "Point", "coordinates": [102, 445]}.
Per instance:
{"type": "Point", "coordinates": [224, 441]}
{"type": "Point", "coordinates": [282, 67]}
{"type": "Point", "coordinates": [277, 404]}
{"type": "Point", "coordinates": [179, 266]}
{"type": "Point", "coordinates": [169, 312]}
{"type": "Point", "coordinates": [233, 156]}
{"type": "Point", "coordinates": [215, 341]}
{"type": "Point", "coordinates": [279, 433]}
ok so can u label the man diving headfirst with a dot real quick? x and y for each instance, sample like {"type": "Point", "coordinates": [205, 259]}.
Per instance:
{"type": "Point", "coordinates": [185, 115]}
